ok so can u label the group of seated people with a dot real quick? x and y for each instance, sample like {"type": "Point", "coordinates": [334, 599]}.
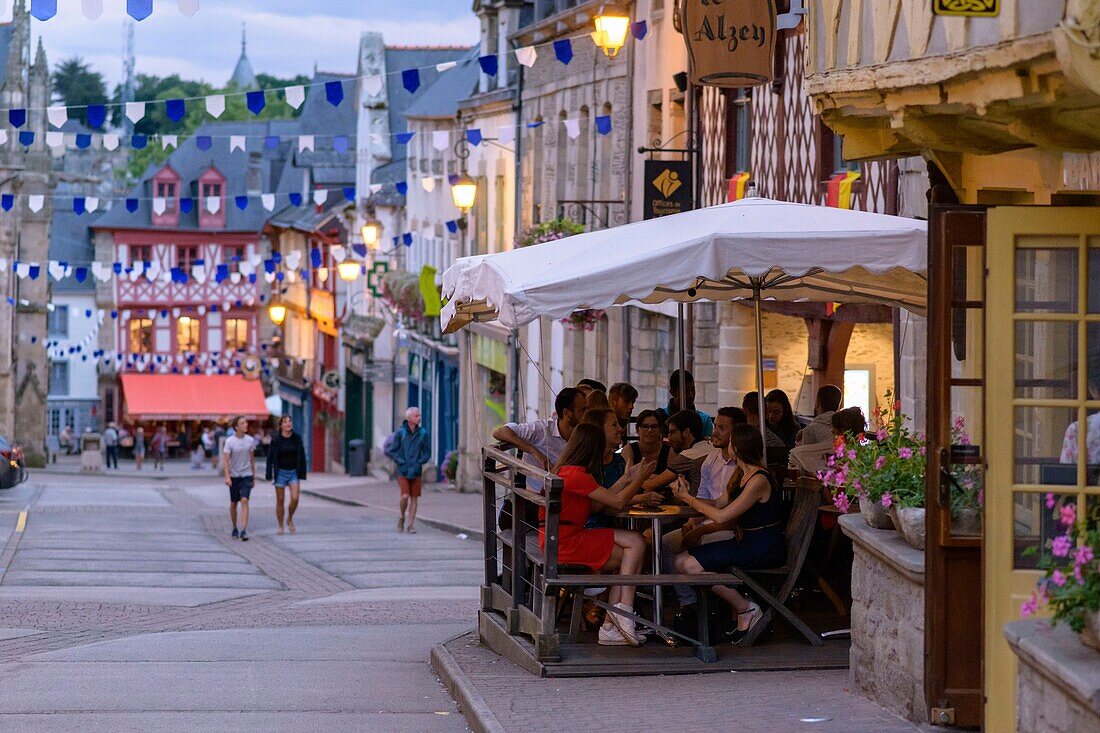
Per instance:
{"type": "Point", "coordinates": [716, 466]}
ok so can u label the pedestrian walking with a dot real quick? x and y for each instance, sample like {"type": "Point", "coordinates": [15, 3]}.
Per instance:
{"type": "Point", "coordinates": [286, 467]}
{"type": "Point", "coordinates": [208, 445]}
{"type": "Point", "coordinates": [410, 448]}
{"type": "Point", "coordinates": [159, 446]}
{"type": "Point", "coordinates": [139, 447]}
{"type": "Point", "coordinates": [239, 464]}
{"type": "Point", "coordinates": [110, 445]}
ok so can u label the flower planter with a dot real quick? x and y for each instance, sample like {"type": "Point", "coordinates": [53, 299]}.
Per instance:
{"type": "Point", "coordinates": [909, 523]}
{"type": "Point", "coordinates": [1090, 635]}
{"type": "Point", "coordinates": [967, 522]}
{"type": "Point", "coordinates": [876, 515]}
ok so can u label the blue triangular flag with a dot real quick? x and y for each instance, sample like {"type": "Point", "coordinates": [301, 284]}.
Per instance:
{"type": "Point", "coordinates": [87, 312]}
{"type": "Point", "coordinates": [563, 49]}
{"type": "Point", "coordinates": [242, 202]}
{"type": "Point", "coordinates": [7, 201]}
{"type": "Point", "coordinates": [186, 203]}
{"type": "Point", "coordinates": [26, 137]}
{"type": "Point", "coordinates": [83, 140]}
{"type": "Point", "coordinates": [295, 199]}
{"type": "Point", "coordinates": [271, 142]}
{"type": "Point", "coordinates": [402, 187]}
{"type": "Point", "coordinates": [603, 124]}
{"type": "Point", "coordinates": [474, 136]}
{"type": "Point", "coordinates": [334, 92]}
{"type": "Point", "coordinates": [280, 276]}
{"type": "Point", "coordinates": [360, 249]}
{"type": "Point", "coordinates": [138, 142]}
{"type": "Point", "coordinates": [78, 205]}
{"type": "Point", "coordinates": [204, 142]}
{"type": "Point", "coordinates": [315, 257]}
{"type": "Point", "coordinates": [349, 193]}
{"type": "Point", "coordinates": [17, 117]}
{"type": "Point", "coordinates": [97, 115]}
{"type": "Point", "coordinates": [489, 64]}
{"type": "Point", "coordinates": [410, 79]}
{"type": "Point", "coordinates": [269, 265]}
{"type": "Point", "coordinates": [256, 101]}
{"type": "Point", "coordinates": [340, 143]}
{"type": "Point", "coordinates": [35, 270]}
{"type": "Point", "coordinates": [536, 123]}
{"type": "Point", "coordinates": [175, 109]}
{"type": "Point", "coordinates": [221, 273]}
{"type": "Point", "coordinates": [638, 30]}
{"type": "Point", "coordinates": [81, 274]}
{"type": "Point", "coordinates": [43, 9]}
{"type": "Point", "coordinates": [131, 206]}
{"type": "Point", "coordinates": [139, 9]}
{"type": "Point", "coordinates": [276, 257]}
{"type": "Point", "coordinates": [114, 314]}
{"type": "Point", "coordinates": [252, 278]}
{"type": "Point", "coordinates": [407, 238]}
{"type": "Point", "coordinates": [452, 226]}
{"type": "Point", "coordinates": [403, 137]}
{"type": "Point", "coordinates": [396, 240]}
{"type": "Point", "coordinates": [452, 178]}
{"type": "Point", "coordinates": [117, 266]}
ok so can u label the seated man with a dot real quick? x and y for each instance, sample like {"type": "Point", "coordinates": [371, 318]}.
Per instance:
{"type": "Point", "coordinates": [773, 444]}
{"type": "Point", "coordinates": [674, 406]}
{"type": "Point", "coordinates": [621, 399]}
{"type": "Point", "coordinates": [543, 441]}
{"type": "Point", "coordinates": [685, 436]}
{"type": "Point", "coordinates": [715, 474]}
{"type": "Point", "coordinates": [821, 428]}
{"type": "Point", "coordinates": [812, 458]}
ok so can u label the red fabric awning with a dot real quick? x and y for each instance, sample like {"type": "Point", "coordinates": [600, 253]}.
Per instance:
{"type": "Point", "coordinates": [191, 397]}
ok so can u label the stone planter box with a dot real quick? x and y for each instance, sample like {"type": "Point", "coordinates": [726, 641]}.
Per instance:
{"type": "Point", "coordinates": [887, 653]}
{"type": "Point", "coordinates": [1057, 678]}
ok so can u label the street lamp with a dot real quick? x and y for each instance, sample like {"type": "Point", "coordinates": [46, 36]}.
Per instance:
{"type": "Point", "coordinates": [349, 269]}
{"type": "Point", "coordinates": [277, 312]}
{"type": "Point", "coordinates": [610, 33]}
{"type": "Point", "coordinates": [464, 193]}
{"type": "Point", "coordinates": [372, 232]}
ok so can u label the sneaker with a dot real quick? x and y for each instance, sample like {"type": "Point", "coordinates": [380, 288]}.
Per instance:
{"type": "Point", "coordinates": [236, 534]}
{"type": "Point", "coordinates": [625, 626]}
{"type": "Point", "coordinates": [611, 636]}
{"type": "Point", "coordinates": [244, 536]}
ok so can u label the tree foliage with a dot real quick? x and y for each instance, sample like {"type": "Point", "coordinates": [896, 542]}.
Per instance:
{"type": "Point", "coordinates": [76, 85]}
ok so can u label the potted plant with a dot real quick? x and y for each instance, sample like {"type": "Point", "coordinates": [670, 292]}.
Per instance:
{"type": "Point", "coordinates": [1070, 586]}
{"type": "Point", "coordinates": [968, 488]}
{"type": "Point", "coordinates": [548, 231]}
{"type": "Point", "coordinates": [583, 320]}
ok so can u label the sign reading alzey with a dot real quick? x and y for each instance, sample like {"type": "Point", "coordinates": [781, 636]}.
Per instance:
{"type": "Point", "coordinates": [731, 43]}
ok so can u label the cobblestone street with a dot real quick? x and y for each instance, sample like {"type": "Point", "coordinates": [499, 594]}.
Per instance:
{"type": "Point", "coordinates": [125, 605]}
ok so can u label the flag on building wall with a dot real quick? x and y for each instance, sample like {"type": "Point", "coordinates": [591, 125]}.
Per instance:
{"type": "Point", "coordinates": [739, 184]}
{"type": "Point", "coordinates": [840, 189]}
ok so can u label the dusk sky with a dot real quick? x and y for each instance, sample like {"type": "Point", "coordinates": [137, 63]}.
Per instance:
{"type": "Point", "coordinates": [285, 37]}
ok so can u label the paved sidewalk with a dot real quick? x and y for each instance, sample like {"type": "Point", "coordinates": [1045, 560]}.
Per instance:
{"type": "Point", "coordinates": [495, 695]}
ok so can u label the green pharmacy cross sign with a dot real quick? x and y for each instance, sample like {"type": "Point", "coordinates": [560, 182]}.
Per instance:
{"type": "Point", "coordinates": [374, 277]}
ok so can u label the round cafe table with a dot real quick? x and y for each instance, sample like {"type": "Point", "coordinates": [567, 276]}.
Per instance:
{"type": "Point", "coordinates": [657, 515]}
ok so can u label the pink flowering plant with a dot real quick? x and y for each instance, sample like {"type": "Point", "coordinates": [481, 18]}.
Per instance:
{"type": "Point", "coordinates": [583, 320]}
{"type": "Point", "coordinates": [549, 231]}
{"type": "Point", "coordinates": [1070, 586]}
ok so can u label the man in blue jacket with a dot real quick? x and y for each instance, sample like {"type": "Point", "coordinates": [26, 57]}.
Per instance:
{"type": "Point", "coordinates": [410, 448]}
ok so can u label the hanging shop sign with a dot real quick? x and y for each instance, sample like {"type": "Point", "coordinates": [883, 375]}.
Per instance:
{"type": "Point", "coordinates": [668, 188]}
{"type": "Point", "coordinates": [972, 8]}
{"type": "Point", "coordinates": [730, 43]}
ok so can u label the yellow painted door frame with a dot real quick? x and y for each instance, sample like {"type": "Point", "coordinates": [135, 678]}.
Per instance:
{"type": "Point", "coordinates": [1010, 229]}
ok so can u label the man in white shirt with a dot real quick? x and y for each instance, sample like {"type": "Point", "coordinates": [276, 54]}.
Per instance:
{"type": "Point", "coordinates": [685, 435]}
{"type": "Point", "coordinates": [543, 441]}
{"type": "Point", "coordinates": [240, 474]}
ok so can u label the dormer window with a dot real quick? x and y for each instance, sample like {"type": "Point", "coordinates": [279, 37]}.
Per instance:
{"type": "Point", "coordinates": [211, 190]}
{"type": "Point", "coordinates": [165, 190]}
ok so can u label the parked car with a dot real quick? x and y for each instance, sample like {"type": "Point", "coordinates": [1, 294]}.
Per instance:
{"type": "Point", "coordinates": [12, 469]}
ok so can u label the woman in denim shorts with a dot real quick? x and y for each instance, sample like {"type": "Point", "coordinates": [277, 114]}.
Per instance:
{"type": "Point", "coordinates": [286, 467]}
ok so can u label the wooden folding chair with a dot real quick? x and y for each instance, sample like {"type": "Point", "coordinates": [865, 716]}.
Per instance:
{"type": "Point", "coordinates": [800, 532]}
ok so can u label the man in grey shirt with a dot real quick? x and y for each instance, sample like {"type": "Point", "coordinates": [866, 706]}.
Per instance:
{"type": "Point", "coordinates": [240, 474]}
{"type": "Point", "coordinates": [543, 441]}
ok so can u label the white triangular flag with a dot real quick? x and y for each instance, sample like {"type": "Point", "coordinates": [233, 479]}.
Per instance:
{"type": "Point", "coordinates": [169, 141]}
{"type": "Point", "coordinates": [305, 142]}
{"type": "Point", "coordinates": [246, 268]}
{"type": "Point", "coordinates": [375, 187]}
{"type": "Point", "coordinates": [152, 314]}
{"type": "Point", "coordinates": [372, 85]}
{"type": "Point", "coordinates": [268, 200]}
{"type": "Point", "coordinates": [213, 204]}
{"type": "Point", "coordinates": [215, 105]}
{"type": "Point", "coordinates": [3, 264]}
{"type": "Point", "coordinates": [572, 128]}
{"type": "Point", "coordinates": [160, 205]}
{"type": "Point", "coordinates": [91, 204]}
{"type": "Point", "coordinates": [56, 270]}
{"type": "Point", "coordinates": [202, 310]}
{"type": "Point", "coordinates": [55, 139]}
{"type": "Point", "coordinates": [236, 142]}
{"type": "Point", "coordinates": [234, 277]}
{"type": "Point", "coordinates": [152, 272]}
{"type": "Point", "coordinates": [175, 312]}
{"type": "Point", "coordinates": [428, 184]}
{"type": "Point", "coordinates": [199, 273]}
{"type": "Point", "coordinates": [506, 134]}
{"type": "Point", "coordinates": [295, 96]}
{"type": "Point", "coordinates": [57, 116]}
{"type": "Point", "coordinates": [35, 202]}
{"type": "Point", "coordinates": [292, 276]}
{"type": "Point", "coordinates": [445, 66]}
{"type": "Point", "coordinates": [293, 259]}
{"type": "Point", "coordinates": [3, 137]}
{"type": "Point", "coordinates": [320, 196]}
{"type": "Point", "coordinates": [22, 269]}
{"type": "Point", "coordinates": [189, 7]}
{"type": "Point", "coordinates": [441, 139]}
{"type": "Point", "coordinates": [527, 55]}
{"type": "Point", "coordinates": [166, 276]}
{"type": "Point", "coordinates": [135, 111]}
{"type": "Point", "coordinates": [338, 253]}
{"type": "Point", "coordinates": [269, 277]}
{"type": "Point", "coordinates": [101, 272]}
{"type": "Point", "coordinates": [110, 141]}
{"type": "Point", "coordinates": [92, 9]}
{"type": "Point", "coordinates": [135, 273]}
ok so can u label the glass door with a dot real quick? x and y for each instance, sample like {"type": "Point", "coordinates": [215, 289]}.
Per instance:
{"type": "Point", "coordinates": [1043, 409]}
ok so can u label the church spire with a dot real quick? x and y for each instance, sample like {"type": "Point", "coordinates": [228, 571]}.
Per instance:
{"type": "Point", "coordinates": [243, 76]}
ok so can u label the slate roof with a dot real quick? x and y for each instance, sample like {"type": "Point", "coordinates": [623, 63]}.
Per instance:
{"type": "Point", "coordinates": [397, 60]}
{"type": "Point", "coordinates": [449, 88]}
{"type": "Point", "coordinates": [71, 242]}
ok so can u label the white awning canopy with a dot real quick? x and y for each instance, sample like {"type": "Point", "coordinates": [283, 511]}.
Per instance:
{"type": "Point", "coordinates": [749, 248]}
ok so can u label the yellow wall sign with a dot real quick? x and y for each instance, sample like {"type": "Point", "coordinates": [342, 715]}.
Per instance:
{"type": "Point", "coordinates": [976, 8]}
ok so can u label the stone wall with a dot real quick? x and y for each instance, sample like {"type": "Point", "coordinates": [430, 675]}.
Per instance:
{"type": "Point", "coordinates": [887, 653]}
{"type": "Point", "coordinates": [1057, 679]}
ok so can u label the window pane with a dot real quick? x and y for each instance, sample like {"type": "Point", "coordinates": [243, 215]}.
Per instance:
{"type": "Point", "coordinates": [1045, 450]}
{"type": "Point", "coordinates": [1094, 275]}
{"type": "Point", "coordinates": [187, 334]}
{"type": "Point", "coordinates": [1046, 277]}
{"type": "Point", "coordinates": [1046, 360]}
{"type": "Point", "coordinates": [1035, 526]}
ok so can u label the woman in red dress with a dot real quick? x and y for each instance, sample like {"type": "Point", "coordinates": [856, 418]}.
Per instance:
{"type": "Point", "coordinates": [602, 550]}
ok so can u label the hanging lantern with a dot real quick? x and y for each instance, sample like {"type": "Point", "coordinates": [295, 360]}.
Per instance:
{"type": "Point", "coordinates": [464, 193]}
{"type": "Point", "coordinates": [348, 270]}
{"type": "Point", "coordinates": [372, 233]}
{"type": "Point", "coordinates": [611, 33]}
{"type": "Point", "coordinates": [277, 313]}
